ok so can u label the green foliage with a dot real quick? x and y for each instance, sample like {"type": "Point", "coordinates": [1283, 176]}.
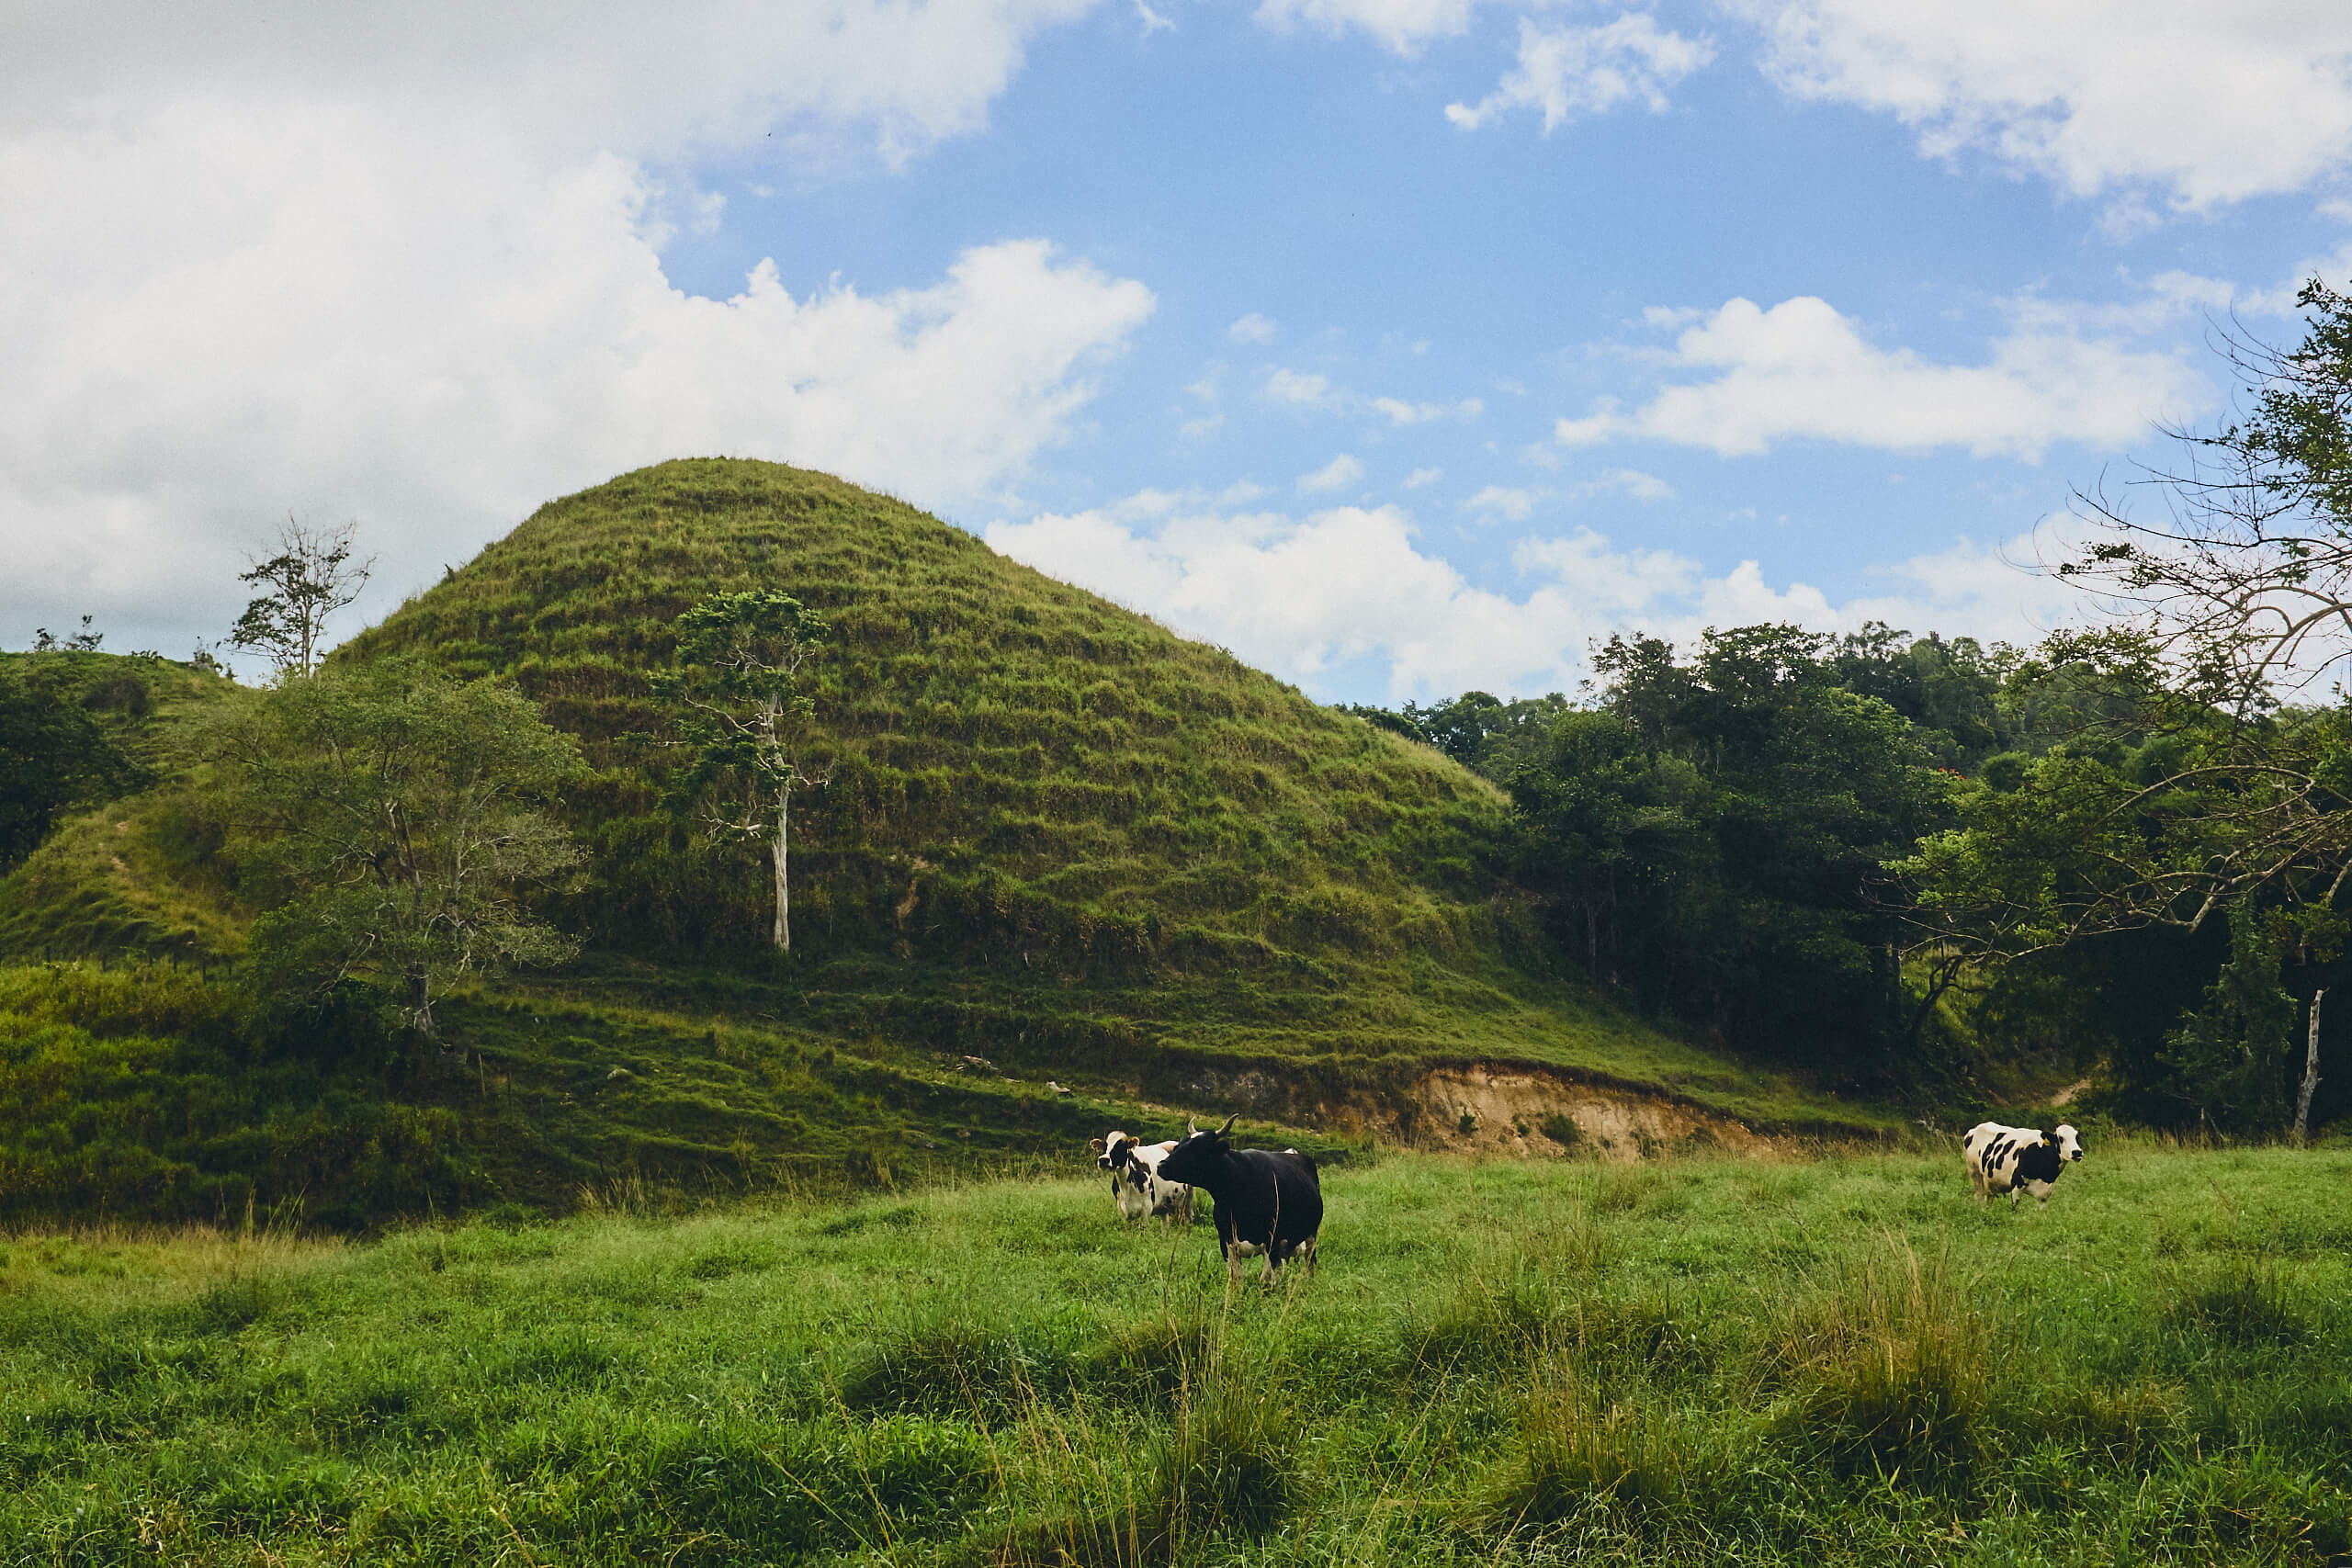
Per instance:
{"type": "Point", "coordinates": [1711, 839]}
{"type": "Point", "coordinates": [394, 812]}
{"type": "Point", "coordinates": [741, 708]}
{"type": "Point", "coordinates": [2228, 1062]}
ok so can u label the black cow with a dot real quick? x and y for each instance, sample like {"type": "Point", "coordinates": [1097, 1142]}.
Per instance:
{"type": "Point", "coordinates": [1267, 1204]}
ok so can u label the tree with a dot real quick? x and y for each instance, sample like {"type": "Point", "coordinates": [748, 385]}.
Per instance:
{"type": "Point", "coordinates": [392, 816]}
{"type": "Point", "coordinates": [310, 578]}
{"type": "Point", "coordinates": [2188, 777]}
{"type": "Point", "coordinates": [83, 641]}
{"type": "Point", "coordinates": [1711, 838]}
{"type": "Point", "coordinates": [741, 709]}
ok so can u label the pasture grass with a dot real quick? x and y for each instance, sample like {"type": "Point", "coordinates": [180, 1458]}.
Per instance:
{"type": "Point", "coordinates": [1842, 1359]}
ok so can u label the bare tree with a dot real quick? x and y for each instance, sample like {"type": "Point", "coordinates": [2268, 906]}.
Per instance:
{"type": "Point", "coordinates": [311, 576]}
{"type": "Point", "coordinates": [2242, 578]}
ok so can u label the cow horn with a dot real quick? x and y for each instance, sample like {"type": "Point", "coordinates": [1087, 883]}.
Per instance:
{"type": "Point", "coordinates": [1191, 1126]}
{"type": "Point", "coordinates": [1229, 1121]}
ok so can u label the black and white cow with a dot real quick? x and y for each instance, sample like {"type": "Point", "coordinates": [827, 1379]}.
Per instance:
{"type": "Point", "coordinates": [2014, 1159]}
{"type": "Point", "coordinates": [1136, 1186]}
{"type": "Point", "coordinates": [1268, 1204]}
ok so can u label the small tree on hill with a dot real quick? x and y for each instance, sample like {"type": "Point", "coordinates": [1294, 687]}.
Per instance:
{"type": "Point", "coordinates": [395, 812]}
{"type": "Point", "coordinates": [741, 707]}
{"type": "Point", "coordinates": [310, 578]}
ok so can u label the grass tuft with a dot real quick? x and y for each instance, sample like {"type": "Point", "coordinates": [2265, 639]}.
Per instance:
{"type": "Point", "coordinates": [1578, 1451]}
{"type": "Point", "coordinates": [1886, 1371]}
{"type": "Point", "coordinates": [2245, 1303]}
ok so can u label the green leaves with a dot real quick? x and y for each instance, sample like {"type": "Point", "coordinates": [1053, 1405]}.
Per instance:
{"type": "Point", "coordinates": [740, 709]}
{"type": "Point", "coordinates": [393, 816]}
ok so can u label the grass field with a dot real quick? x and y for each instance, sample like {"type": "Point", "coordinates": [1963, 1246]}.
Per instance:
{"type": "Point", "coordinates": [1841, 1359]}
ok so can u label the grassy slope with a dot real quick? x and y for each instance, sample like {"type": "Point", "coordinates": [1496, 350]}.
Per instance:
{"type": "Point", "coordinates": [129, 880]}
{"type": "Point", "coordinates": [1701, 1361]}
{"type": "Point", "coordinates": [1055, 832]}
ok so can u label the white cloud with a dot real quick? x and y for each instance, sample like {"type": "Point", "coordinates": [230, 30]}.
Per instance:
{"type": "Point", "coordinates": [571, 78]}
{"type": "Point", "coordinates": [1496, 501]}
{"type": "Point", "coordinates": [1305, 598]}
{"type": "Point", "coordinates": [403, 266]}
{"type": "Point", "coordinates": [1630, 482]}
{"type": "Point", "coordinates": [1252, 328]}
{"type": "Point", "coordinates": [1397, 412]}
{"type": "Point", "coordinates": [1801, 370]}
{"type": "Point", "coordinates": [2200, 102]}
{"type": "Point", "coordinates": [1571, 71]}
{"type": "Point", "coordinates": [1296, 387]}
{"type": "Point", "coordinates": [1400, 26]}
{"type": "Point", "coordinates": [1420, 477]}
{"type": "Point", "coordinates": [1152, 21]}
{"type": "Point", "coordinates": [1337, 474]}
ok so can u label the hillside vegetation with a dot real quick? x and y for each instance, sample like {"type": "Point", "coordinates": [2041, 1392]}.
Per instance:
{"type": "Point", "coordinates": [1702, 1361]}
{"type": "Point", "coordinates": [1052, 840]}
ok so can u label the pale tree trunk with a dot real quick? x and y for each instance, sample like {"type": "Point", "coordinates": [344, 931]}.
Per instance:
{"type": "Point", "coordinates": [2311, 1074]}
{"type": "Point", "coordinates": [783, 879]}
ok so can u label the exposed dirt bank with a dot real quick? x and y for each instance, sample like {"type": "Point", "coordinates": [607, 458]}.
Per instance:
{"type": "Point", "coordinates": [1491, 1110]}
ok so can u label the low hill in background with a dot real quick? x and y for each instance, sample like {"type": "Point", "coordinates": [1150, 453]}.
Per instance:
{"type": "Point", "coordinates": [1056, 840]}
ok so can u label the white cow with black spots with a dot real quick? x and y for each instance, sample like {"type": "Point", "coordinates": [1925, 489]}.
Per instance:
{"type": "Point", "coordinates": [1136, 1186]}
{"type": "Point", "coordinates": [2018, 1159]}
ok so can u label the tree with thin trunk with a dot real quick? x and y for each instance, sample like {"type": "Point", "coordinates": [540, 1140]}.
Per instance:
{"type": "Point", "coordinates": [392, 816]}
{"type": "Point", "coordinates": [743, 708]}
{"type": "Point", "coordinates": [311, 576]}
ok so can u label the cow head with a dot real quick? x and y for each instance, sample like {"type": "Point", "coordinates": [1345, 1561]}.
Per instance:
{"type": "Point", "coordinates": [1197, 1156]}
{"type": "Point", "coordinates": [2069, 1142]}
{"type": "Point", "coordinates": [1115, 1151]}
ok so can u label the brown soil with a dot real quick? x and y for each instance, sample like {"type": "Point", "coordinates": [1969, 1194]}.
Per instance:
{"type": "Point", "coordinates": [1488, 1110]}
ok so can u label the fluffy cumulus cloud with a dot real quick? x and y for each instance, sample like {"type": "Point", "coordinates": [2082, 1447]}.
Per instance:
{"type": "Point", "coordinates": [405, 264]}
{"type": "Point", "coordinates": [2199, 102]}
{"type": "Point", "coordinates": [1802, 370]}
{"type": "Point", "coordinates": [1352, 586]}
{"type": "Point", "coordinates": [1570, 73]}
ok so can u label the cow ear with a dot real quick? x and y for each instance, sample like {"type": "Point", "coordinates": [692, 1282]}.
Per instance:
{"type": "Point", "coordinates": [1097, 1145]}
{"type": "Point", "coordinates": [1229, 1121]}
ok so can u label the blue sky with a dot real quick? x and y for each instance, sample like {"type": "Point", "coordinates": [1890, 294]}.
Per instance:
{"type": "Point", "coordinates": [1400, 345]}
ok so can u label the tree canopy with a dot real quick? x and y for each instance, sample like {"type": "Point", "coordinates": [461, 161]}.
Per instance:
{"type": "Point", "coordinates": [389, 818]}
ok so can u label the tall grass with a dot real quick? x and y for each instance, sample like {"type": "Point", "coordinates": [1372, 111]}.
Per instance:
{"type": "Point", "coordinates": [1002, 1372]}
{"type": "Point", "coordinates": [1886, 1368]}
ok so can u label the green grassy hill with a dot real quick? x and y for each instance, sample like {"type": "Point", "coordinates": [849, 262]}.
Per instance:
{"type": "Point", "coordinates": [1055, 836]}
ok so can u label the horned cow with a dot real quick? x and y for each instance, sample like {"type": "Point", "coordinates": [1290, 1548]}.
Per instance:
{"type": "Point", "coordinates": [1136, 1186]}
{"type": "Point", "coordinates": [1268, 1203]}
{"type": "Point", "coordinates": [2014, 1159]}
